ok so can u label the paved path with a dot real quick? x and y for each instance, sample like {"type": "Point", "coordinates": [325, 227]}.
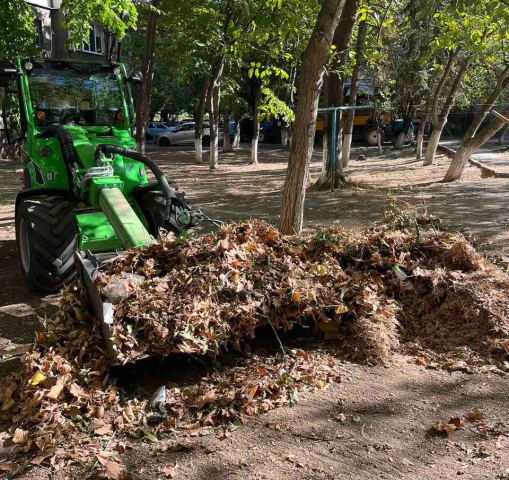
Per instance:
{"type": "Point", "coordinates": [491, 154]}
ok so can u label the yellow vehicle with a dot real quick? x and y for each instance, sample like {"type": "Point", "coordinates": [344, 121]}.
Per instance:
{"type": "Point", "coordinates": [364, 125]}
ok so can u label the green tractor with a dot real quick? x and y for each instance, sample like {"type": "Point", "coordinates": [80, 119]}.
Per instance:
{"type": "Point", "coordinates": [86, 192]}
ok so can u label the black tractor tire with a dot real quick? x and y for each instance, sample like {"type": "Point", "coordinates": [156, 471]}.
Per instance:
{"type": "Point", "coordinates": [152, 206]}
{"type": "Point", "coordinates": [206, 141]}
{"type": "Point", "coordinates": [371, 136]}
{"type": "Point", "coordinates": [262, 137]}
{"type": "Point", "coordinates": [47, 238]}
{"type": "Point", "coordinates": [164, 142]}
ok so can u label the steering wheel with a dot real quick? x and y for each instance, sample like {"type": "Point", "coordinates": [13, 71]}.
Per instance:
{"type": "Point", "coordinates": [74, 115]}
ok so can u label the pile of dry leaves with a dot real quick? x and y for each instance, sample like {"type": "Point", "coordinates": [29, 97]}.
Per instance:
{"type": "Point", "coordinates": [402, 281]}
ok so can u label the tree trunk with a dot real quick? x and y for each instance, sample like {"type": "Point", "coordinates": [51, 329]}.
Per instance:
{"type": "Point", "coordinates": [284, 134]}
{"type": "Point", "coordinates": [402, 137]}
{"type": "Point", "coordinates": [236, 139]}
{"type": "Point", "coordinates": [502, 84]}
{"type": "Point", "coordinates": [147, 70]}
{"type": "Point", "coordinates": [198, 119]}
{"type": "Point", "coordinates": [420, 138]}
{"type": "Point", "coordinates": [431, 150]}
{"type": "Point", "coordinates": [439, 123]}
{"type": "Point", "coordinates": [315, 57]}
{"type": "Point", "coordinates": [470, 146]}
{"type": "Point", "coordinates": [333, 87]}
{"type": "Point", "coordinates": [354, 87]}
{"type": "Point", "coordinates": [214, 96]}
{"type": "Point", "coordinates": [256, 124]}
{"type": "Point", "coordinates": [214, 128]}
{"type": "Point", "coordinates": [227, 144]}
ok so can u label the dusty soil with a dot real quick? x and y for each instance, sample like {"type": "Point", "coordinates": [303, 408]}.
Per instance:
{"type": "Point", "coordinates": [376, 423]}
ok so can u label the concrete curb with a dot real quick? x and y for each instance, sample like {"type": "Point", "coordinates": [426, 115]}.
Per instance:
{"type": "Point", "coordinates": [486, 172]}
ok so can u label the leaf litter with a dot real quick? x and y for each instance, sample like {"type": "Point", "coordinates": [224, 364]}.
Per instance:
{"type": "Point", "coordinates": [402, 285]}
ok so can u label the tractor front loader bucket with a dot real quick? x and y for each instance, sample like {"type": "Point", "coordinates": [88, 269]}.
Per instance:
{"type": "Point", "coordinates": [87, 265]}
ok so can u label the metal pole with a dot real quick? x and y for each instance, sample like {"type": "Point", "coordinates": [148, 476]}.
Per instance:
{"type": "Point", "coordinates": [333, 151]}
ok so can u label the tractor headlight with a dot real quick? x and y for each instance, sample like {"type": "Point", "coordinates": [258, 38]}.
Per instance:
{"type": "Point", "coordinates": [29, 66]}
{"type": "Point", "coordinates": [117, 71]}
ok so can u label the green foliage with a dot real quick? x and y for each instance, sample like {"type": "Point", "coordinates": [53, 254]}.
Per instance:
{"type": "Point", "coordinates": [117, 16]}
{"type": "Point", "coordinates": [17, 36]}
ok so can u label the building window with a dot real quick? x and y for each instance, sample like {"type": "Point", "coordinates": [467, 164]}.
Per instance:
{"type": "Point", "coordinates": [95, 40]}
{"type": "Point", "coordinates": [38, 30]}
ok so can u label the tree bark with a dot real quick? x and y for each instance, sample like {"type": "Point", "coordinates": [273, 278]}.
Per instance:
{"type": "Point", "coordinates": [402, 137]}
{"type": "Point", "coordinates": [315, 57]}
{"type": "Point", "coordinates": [214, 128]}
{"type": "Point", "coordinates": [420, 137]}
{"type": "Point", "coordinates": [284, 134]}
{"type": "Point", "coordinates": [440, 120]}
{"type": "Point", "coordinates": [236, 139]}
{"type": "Point", "coordinates": [198, 119]}
{"type": "Point", "coordinates": [431, 150]}
{"type": "Point", "coordinates": [227, 145]}
{"type": "Point", "coordinates": [256, 124]}
{"type": "Point", "coordinates": [354, 87]}
{"type": "Point", "coordinates": [471, 145]}
{"type": "Point", "coordinates": [147, 70]}
{"type": "Point", "coordinates": [214, 95]}
{"type": "Point", "coordinates": [333, 87]}
{"type": "Point", "coordinates": [502, 84]}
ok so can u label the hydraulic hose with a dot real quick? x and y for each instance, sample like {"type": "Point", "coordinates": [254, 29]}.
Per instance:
{"type": "Point", "coordinates": [66, 144]}
{"type": "Point", "coordinates": [168, 192]}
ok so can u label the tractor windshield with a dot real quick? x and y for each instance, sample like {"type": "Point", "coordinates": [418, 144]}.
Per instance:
{"type": "Point", "coordinates": [74, 94]}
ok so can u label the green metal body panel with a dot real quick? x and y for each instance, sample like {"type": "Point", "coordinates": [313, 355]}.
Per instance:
{"type": "Point", "coordinates": [45, 168]}
{"type": "Point", "coordinates": [97, 234]}
{"type": "Point", "coordinates": [125, 222]}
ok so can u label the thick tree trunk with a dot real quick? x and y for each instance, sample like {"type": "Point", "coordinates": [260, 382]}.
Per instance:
{"type": "Point", "coordinates": [236, 139]}
{"type": "Point", "coordinates": [333, 87]}
{"type": "Point", "coordinates": [256, 124]}
{"type": "Point", "coordinates": [147, 70]}
{"type": "Point", "coordinates": [470, 146]}
{"type": "Point", "coordinates": [214, 96]}
{"type": "Point", "coordinates": [431, 150]}
{"type": "Point", "coordinates": [315, 57]}
{"type": "Point", "coordinates": [198, 119]}
{"type": "Point", "coordinates": [354, 87]}
{"type": "Point", "coordinates": [227, 144]}
{"type": "Point", "coordinates": [420, 138]}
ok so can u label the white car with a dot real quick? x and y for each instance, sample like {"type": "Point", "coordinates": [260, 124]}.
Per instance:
{"type": "Point", "coordinates": [184, 135]}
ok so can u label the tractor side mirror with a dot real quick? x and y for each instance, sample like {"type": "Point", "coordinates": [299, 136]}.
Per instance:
{"type": "Point", "coordinates": [135, 78]}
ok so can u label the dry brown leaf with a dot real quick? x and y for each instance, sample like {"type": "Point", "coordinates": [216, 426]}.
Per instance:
{"type": "Point", "coordinates": [476, 415]}
{"type": "Point", "coordinates": [169, 471]}
{"type": "Point", "coordinates": [55, 391]}
{"type": "Point", "coordinates": [114, 470]}
{"type": "Point", "coordinates": [104, 430]}
{"type": "Point", "coordinates": [6, 467]}
{"type": "Point", "coordinates": [20, 436]}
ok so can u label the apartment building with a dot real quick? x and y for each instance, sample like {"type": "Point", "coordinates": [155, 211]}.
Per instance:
{"type": "Point", "coordinates": [52, 37]}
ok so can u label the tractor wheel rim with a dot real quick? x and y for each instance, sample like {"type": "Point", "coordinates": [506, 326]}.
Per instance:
{"type": "Point", "coordinates": [23, 245]}
{"type": "Point", "coordinates": [373, 137]}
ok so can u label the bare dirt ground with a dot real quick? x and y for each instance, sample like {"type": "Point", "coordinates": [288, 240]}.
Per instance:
{"type": "Point", "coordinates": [376, 423]}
